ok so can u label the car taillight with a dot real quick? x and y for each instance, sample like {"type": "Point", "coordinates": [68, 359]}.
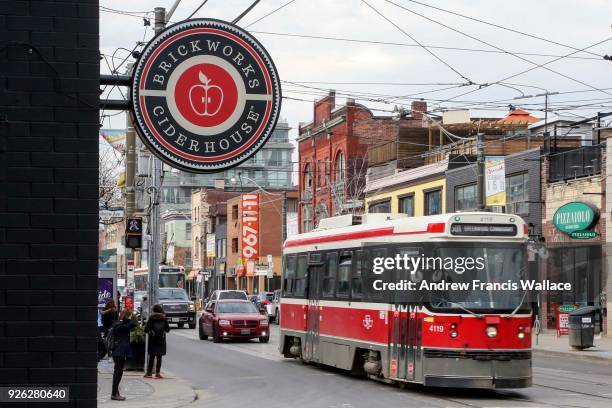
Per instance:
{"type": "Point", "coordinates": [525, 229]}
{"type": "Point", "coordinates": [265, 302]}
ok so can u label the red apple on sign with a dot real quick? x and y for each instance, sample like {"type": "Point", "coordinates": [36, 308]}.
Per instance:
{"type": "Point", "coordinates": [205, 99]}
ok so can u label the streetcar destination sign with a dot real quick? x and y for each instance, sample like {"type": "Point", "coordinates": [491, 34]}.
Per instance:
{"type": "Point", "coordinates": [205, 95]}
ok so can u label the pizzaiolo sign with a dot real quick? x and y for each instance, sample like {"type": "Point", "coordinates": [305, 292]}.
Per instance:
{"type": "Point", "coordinates": [575, 219]}
{"type": "Point", "coordinates": [205, 95]}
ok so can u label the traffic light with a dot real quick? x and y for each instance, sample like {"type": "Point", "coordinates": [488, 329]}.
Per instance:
{"type": "Point", "coordinates": [133, 233]}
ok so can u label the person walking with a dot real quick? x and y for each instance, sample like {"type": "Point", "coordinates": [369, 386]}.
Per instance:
{"type": "Point", "coordinates": [121, 349]}
{"type": "Point", "coordinates": [156, 328]}
{"type": "Point", "coordinates": [109, 316]}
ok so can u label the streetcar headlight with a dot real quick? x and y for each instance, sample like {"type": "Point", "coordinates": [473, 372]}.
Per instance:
{"type": "Point", "coordinates": [521, 334]}
{"type": "Point", "coordinates": [224, 322]}
{"type": "Point", "coordinates": [453, 334]}
{"type": "Point", "coordinates": [491, 331]}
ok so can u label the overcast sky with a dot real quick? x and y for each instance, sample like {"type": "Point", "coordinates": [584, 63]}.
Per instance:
{"type": "Point", "coordinates": [573, 24]}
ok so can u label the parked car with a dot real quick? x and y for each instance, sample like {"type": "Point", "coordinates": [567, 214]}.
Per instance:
{"type": "Point", "coordinates": [233, 319]}
{"type": "Point", "coordinates": [178, 307]}
{"type": "Point", "coordinates": [228, 294]}
{"type": "Point", "coordinates": [266, 301]}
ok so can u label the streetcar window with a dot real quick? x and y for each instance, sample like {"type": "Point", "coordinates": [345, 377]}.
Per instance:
{"type": "Point", "coordinates": [329, 278]}
{"type": "Point", "coordinates": [299, 287]}
{"type": "Point", "coordinates": [371, 276]}
{"type": "Point", "coordinates": [344, 274]}
{"type": "Point", "coordinates": [359, 274]}
{"type": "Point", "coordinates": [289, 275]}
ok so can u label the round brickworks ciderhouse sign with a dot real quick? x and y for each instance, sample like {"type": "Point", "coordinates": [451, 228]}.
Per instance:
{"type": "Point", "coordinates": [206, 95]}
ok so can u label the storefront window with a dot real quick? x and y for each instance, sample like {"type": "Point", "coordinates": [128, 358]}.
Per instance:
{"type": "Point", "coordinates": [465, 197]}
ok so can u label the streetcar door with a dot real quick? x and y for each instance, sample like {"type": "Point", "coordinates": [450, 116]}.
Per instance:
{"type": "Point", "coordinates": [315, 270]}
{"type": "Point", "coordinates": [403, 342]}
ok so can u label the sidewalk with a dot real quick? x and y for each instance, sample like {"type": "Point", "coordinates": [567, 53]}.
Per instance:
{"type": "Point", "coordinates": [549, 344]}
{"type": "Point", "coordinates": [170, 392]}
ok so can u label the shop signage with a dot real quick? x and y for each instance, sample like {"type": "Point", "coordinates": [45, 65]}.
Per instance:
{"type": "Point", "coordinates": [575, 219]}
{"type": "Point", "coordinates": [495, 181]}
{"type": "Point", "coordinates": [563, 312]}
{"type": "Point", "coordinates": [205, 95]}
{"type": "Point", "coordinates": [250, 227]}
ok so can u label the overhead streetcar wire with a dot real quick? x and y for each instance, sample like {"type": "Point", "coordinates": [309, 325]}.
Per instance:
{"type": "Point", "coordinates": [543, 65]}
{"type": "Point", "coordinates": [599, 56]}
{"type": "Point", "coordinates": [419, 43]}
{"type": "Point", "coordinates": [437, 47]}
{"type": "Point", "coordinates": [197, 9]}
{"type": "Point", "coordinates": [270, 13]}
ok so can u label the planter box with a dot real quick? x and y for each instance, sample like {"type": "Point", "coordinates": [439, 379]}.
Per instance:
{"type": "Point", "coordinates": [136, 363]}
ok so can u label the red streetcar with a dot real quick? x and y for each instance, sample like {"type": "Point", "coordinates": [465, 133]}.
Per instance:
{"type": "Point", "coordinates": [477, 338]}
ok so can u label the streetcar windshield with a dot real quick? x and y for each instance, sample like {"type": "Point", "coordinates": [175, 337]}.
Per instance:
{"type": "Point", "coordinates": [499, 265]}
{"type": "Point", "coordinates": [171, 280]}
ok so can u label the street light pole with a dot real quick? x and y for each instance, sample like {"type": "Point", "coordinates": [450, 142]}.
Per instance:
{"type": "Point", "coordinates": [156, 184]}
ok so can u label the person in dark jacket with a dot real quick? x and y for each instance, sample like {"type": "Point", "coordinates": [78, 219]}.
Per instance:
{"type": "Point", "coordinates": [109, 316]}
{"type": "Point", "coordinates": [121, 349]}
{"type": "Point", "coordinates": [156, 328]}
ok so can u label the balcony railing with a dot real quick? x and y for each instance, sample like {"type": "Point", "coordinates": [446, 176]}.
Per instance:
{"type": "Point", "coordinates": [581, 162]}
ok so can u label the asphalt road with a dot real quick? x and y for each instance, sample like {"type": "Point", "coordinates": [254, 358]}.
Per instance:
{"type": "Point", "coordinates": [251, 374]}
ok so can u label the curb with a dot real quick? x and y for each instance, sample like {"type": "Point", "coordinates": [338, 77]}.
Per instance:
{"type": "Point", "coordinates": [572, 355]}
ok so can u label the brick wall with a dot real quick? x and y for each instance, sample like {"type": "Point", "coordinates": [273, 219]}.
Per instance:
{"type": "Point", "coordinates": [49, 61]}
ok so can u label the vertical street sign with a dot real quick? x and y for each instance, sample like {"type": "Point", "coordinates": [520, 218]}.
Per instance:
{"type": "Point", "coordinates": [250, 227]}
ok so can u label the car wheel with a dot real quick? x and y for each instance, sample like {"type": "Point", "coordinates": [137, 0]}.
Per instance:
{"type": "Point", "coordinates": [192, 325]}
{"type": "Point", "coordinates": [201, 334]}
{"type": "Point", "coordinates": [264, 339]}
{"type": "Point", "coordinates": [181, 325]}
{"type": "Point", "coordinates": [216, 338]}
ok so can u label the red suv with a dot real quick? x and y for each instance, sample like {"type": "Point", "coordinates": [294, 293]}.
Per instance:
{"type": "Point", "coordinates": [233, 319]}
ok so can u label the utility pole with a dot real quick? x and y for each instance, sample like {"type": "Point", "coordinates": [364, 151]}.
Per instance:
{"type": "Point", "coordinates": [156, 184]}
{"type": "Point", "coordinates": [480, 179]}
{"type": "Point", "coordinates": [283, 226]}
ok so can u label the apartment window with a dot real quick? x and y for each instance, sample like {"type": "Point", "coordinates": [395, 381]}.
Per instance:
{"type": "Point", "coordinates": [433, 202]}
{"type": "Point", "coordinates": [307, 177]}
{"type": "Point", "coordinates": [320, 176]}
{"type": "Point", "coordinates": [340, 167]}
{"type": "Point", "coordinates": [196, 249]}
{"type": "Point", "coordinates": [234, 245]}
{"type": "Point", "coordinates": [383, 206]}
{"type": "Point", "coordinates": [465, 197]}
{"type": "Point", "coordinates": [517, 194]}
{"type": "Point", "coordinates": [188, 231]}
{"type": "Point", "coordinates": [235, 212]}
{"type": "Point", "coordinates": [306, 217]}
{"type": "Point", "coordinates": [406, 205]}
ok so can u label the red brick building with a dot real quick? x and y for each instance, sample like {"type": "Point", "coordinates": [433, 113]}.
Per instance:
{"type": "Point", "coordinates": [269, 240]}
{"type": "Point", "coordinates": [333, 151]}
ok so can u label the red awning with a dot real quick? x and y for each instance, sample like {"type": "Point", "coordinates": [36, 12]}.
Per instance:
{"type": "Point", "coordinates": [193, 274]}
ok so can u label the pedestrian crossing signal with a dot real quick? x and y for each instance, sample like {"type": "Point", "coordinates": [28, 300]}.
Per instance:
{"type": "Point", "coordinates": [133, 233]}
